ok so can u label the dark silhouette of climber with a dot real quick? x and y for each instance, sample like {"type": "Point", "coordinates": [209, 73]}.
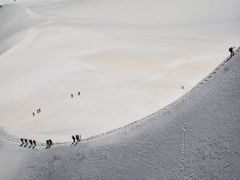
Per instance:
{"type": "Point", "coordinates": [26, 142]}
{"type": "Point", "coordinates": [78, 138]}
{"type": "Point", "coordinates": [33, 113]}
{"type": "Point", "coordinates": [71, 95]}
{"type": "Point", "coordinates": [73, 137]}
{"type": "Point", "coordinates": [31, 143]}
{"type": "Point", "coordinates": [49, 143]}
{"type": "Point", "coordinates": [34, 143]}
{"type": "Point", "coordinates": [38, 110]}
{"type": "Point", "coordinates": [231, 51]}
{"type": "Point", "coordinates": [79, 93]}
{"type": "Point", "coordinates": [22, 140]}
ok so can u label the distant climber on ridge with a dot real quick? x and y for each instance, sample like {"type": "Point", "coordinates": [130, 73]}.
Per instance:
{"type": "Point", "coordinates": [47, 144]}
{"type": "Point", "coordinates": [231, 51]}
{"type": "Point", "coordinates": [34, 143]}
{"type": "Point", "coordinates": [22, 141]}
{"type": "Point", "coordinates": [73, 137]}
{"type": "Point", "coordinates": [50, 143]}
{"type": "Point", "coordinates": [78, 138]}
{"type": "Point", "coordinates": [31, 143]}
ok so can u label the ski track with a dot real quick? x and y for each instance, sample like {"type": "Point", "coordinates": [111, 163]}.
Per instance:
{"type": "Point", "coordinates": [186, 121]}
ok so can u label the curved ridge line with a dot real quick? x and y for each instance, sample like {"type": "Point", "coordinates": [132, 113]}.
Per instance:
{"type": "Point", "coordinates": [185, 96]}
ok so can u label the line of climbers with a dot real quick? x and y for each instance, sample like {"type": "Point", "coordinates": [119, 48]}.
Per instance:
{"type": "Point", "coordinates": [76, 139]}
{"type": "Point", "coordinates": [30, 142]}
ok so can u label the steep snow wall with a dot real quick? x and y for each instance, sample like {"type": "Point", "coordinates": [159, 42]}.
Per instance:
{"type": "Point", "coordinates": [196, 137]}
{"type": "Point", "coordinates": [14, 19]}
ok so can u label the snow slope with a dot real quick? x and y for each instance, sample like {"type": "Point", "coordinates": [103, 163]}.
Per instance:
{"type": "Point", "coordinates": [196, 137]}
{"type": "Point", "coordinates": [14, 19]}
{"type": "Point", "coordinates": [128, 58]}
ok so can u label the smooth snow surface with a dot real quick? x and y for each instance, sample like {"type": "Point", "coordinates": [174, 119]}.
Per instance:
{"type": "Point", "coordinates": [128, 58]}
{"type": "Point", "coordinates": [196, 137]}
{"type": "Point", "coordinates": [13, 19]}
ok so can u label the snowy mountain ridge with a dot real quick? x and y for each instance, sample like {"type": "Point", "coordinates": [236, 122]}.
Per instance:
{"type": "Point", "coordinates": [128, 58]}
{"type": "Point", "coordinates": [196, 137]}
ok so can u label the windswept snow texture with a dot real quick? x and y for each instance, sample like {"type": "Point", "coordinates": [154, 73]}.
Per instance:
{"type": "Point", "coordinates": [128, 58]}
{"type": "Point", "coordinates": [196, 137]}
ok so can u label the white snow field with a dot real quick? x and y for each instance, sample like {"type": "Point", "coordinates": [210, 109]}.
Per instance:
{"type": "Point", "coordinates": [128, 58]}
{"type": "Point", "coordinates": [196, 137]}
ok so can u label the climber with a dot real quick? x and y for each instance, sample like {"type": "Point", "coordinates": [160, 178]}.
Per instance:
{"type": "Point", "coordinates": [47, 144]}
{"type": "Point", "coordinates": [31, 143]}
{"type": "Point", "coordinates": [231, 51]}
{"type": "Point", "coordinates": [38, 110]}
{"type": "Point", "coordinates": [34, 142]}
{"type": "Point", "coordinates": [73, 137]}
{"type": "Point", "coordinates": [50, 143]}
{"type": "Point", "coordinates": [78, 138]}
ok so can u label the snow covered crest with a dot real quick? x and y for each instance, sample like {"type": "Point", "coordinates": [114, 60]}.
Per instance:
{"type": "Point", "coordinates": [197, 137]}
